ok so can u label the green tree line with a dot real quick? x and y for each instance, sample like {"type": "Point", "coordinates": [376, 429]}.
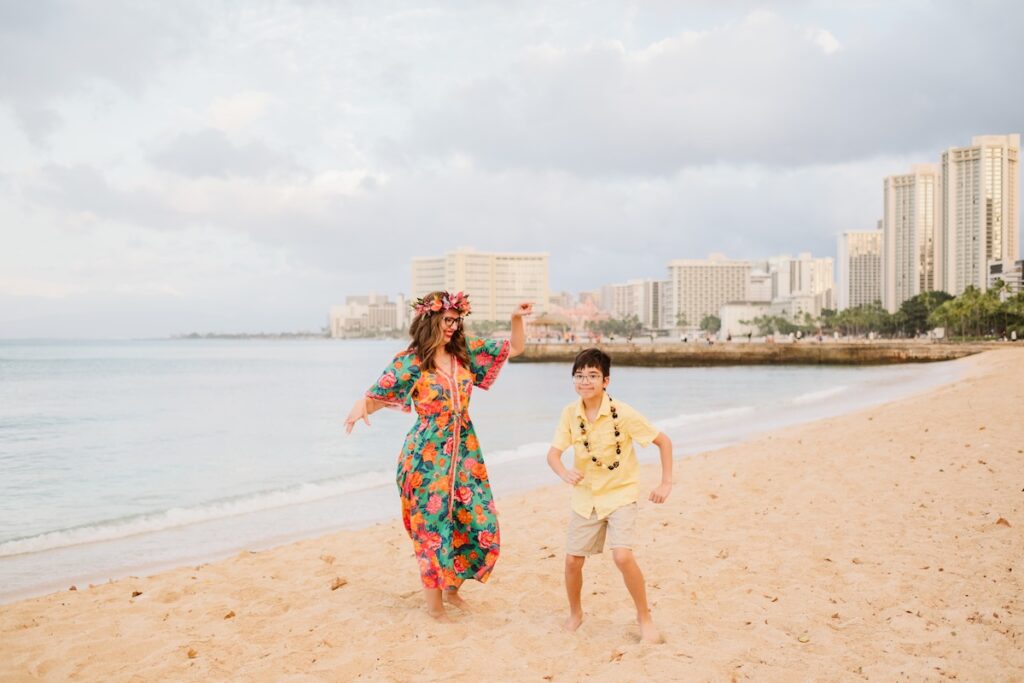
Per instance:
{"type": "Point", "coordinates": [623, 327]}
{"type": "Point", "coordinates": [972, 314]}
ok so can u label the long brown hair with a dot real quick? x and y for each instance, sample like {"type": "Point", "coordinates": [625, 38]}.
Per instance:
{"type": "Point", "coordinates": [428, 337]}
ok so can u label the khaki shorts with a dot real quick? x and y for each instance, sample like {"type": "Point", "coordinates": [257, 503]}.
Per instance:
{"type": "Point", "coordinates": [586, 536]}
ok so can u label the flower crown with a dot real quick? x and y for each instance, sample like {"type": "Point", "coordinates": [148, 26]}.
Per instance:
{"type": "Point", "coordinates": [442, 301]}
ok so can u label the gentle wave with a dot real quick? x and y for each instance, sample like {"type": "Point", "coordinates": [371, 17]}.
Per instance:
{"type": "Point", "coordinates": [537, 450]}
{"type": "Point", "coordinates": [177, 517]}
{"type": "Point", "coordinates": [690, 418]}
{"type": "Point", "coordinates": [816, 396]}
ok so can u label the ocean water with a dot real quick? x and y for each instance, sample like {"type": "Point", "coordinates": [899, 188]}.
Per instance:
{"type": "Point", "coordinates": [125, 457]}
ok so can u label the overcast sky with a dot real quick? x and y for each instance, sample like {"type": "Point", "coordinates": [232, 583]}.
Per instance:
{"type": "Point", "coordinates": [182, 166]}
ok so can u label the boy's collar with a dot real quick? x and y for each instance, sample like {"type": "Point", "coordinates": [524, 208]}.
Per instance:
{"type": "Point", "coordinates": [605, 409]}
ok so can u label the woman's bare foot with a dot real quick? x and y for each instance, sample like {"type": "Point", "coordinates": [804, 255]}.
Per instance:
{"type": "Point", "coordinates": [453, 598]}
{"type": "Point", "coordinates": [648, 631]}
{"type": "Point", "coordinates": [439, 615]}
{"type": "Point", "coordinates": [435, 605]}
{"type": "Point", "coordinates": [573, 621]}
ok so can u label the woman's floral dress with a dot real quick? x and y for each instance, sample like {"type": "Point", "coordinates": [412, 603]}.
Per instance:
{"type": "Point", "coordinates": [447, 504]}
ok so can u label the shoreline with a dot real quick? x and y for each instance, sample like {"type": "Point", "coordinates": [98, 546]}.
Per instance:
{"type": "Point", "coordinates": [836, 549]}
{"type": "Point", "coordinates": [514, 471]}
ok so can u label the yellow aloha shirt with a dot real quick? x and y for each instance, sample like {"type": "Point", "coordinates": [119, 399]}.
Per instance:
{"type": "Point", "coordinates": [602, 489]}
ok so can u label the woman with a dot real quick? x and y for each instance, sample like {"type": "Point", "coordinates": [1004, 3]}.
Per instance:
{"type": "Point", "coordinates": [447, 504]}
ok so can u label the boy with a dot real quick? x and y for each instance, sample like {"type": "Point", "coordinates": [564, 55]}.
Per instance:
{"type": "Point", "coordinates": [605, 481]}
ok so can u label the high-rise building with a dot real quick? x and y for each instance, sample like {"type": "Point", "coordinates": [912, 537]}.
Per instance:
{"type": "Point", "coordinates": [495, 282]}
{"type": "Point", "coordinates": [860, 269]}
{"type": "Point", "coordinates": [911, 251]}
{"type": "Point", "coordinates": [562, 300]}
{"type": "Point", "coordinates": [803, 276]}
{"type": "Point", "coordinates": [759, 287]}
{"type": "Point", "coordinates": [698, 288]}
{"type": "Point", "coordinates": [368, 315]}
{"type": "Point", "coordinates": [980, 209]}
{"type": "Point", "coordinates": [641, 298]}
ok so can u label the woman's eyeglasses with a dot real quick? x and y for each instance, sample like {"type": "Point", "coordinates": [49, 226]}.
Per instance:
{"type": "Point", "coordinates": [451, 323]}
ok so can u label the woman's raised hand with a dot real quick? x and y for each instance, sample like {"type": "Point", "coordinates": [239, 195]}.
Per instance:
{"type": "Point", "coordinates": [518, 337]}
{"type": "Point", "coordinates": [358, 412]}
{"type": "Point", "coordinates": [523, 309]}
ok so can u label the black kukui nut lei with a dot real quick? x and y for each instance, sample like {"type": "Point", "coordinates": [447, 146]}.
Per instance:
{"type": "Point", "coordinates": [615, 427]}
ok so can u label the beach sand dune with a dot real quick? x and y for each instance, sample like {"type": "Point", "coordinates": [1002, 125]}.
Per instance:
{"type": "Point", "coordinates": [881, 545]}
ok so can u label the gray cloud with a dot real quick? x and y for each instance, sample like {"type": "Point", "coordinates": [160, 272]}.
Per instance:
{"type": "Point", "coordinates": [209, 152]}
{"type": "Point", "coordinates": [50, 49]}
{"type": "Point", "coordinates": [632, 134]}
{"type": "Point", "coordinates": [82, 189]}
{"type": "Point", "coordinates": [762, 90]}
{"type": "Point", "coordinates": [597, 229]}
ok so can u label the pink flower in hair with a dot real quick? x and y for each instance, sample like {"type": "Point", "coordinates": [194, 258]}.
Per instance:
{"type": "Point", "coordinates": [460, 302]}
{"type": "Point", "coordinates": [442, 302]}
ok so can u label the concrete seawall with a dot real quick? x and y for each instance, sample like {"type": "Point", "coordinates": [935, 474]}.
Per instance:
{"type": "Point", "coordinates": [669, 354]}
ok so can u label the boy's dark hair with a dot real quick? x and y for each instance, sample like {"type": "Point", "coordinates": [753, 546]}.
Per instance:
{"type": "Point", "coordinates": [593, 358]}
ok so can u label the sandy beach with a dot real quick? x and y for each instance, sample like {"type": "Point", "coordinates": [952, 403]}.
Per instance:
{"type": "Point", "coordinates": [886, 544]}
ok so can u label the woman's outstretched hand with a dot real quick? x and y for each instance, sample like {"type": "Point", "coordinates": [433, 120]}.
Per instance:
{"type": "Point", "coordinates": [358, 412]}
{"type": "Point", "coordinates": [523, 309]}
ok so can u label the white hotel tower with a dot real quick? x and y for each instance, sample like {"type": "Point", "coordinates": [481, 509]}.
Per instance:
{"type": "Point", "coordinates": [698, 288]}
{"type": "Point", "coordinates": [911, 250]}
{"type": "Point", "coordinates": [981, 209]}
{"type": "Point", "coordinates": [495, 282]}
{"type": "Point", "coordinates": [860, 269]}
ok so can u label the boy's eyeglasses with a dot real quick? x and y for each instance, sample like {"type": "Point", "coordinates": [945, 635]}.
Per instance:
{"type": "Point", "coordinates": [587, 379]}
{"type": "Point", "coordinates": [451, 323]}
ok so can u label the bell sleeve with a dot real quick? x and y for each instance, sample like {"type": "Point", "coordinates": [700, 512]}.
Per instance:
{"type": "Point", "coordinates": [486, 358]}
{"type": "Point", "coordinates": [395, 387]}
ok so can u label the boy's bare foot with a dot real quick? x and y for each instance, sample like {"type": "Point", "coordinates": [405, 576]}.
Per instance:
{"type": "Point", "coordinates": [453, 598]}
{"type": "Point", "coordinates": [648, 631]}
{"type": "Point", "coordinates": [573, 621]}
